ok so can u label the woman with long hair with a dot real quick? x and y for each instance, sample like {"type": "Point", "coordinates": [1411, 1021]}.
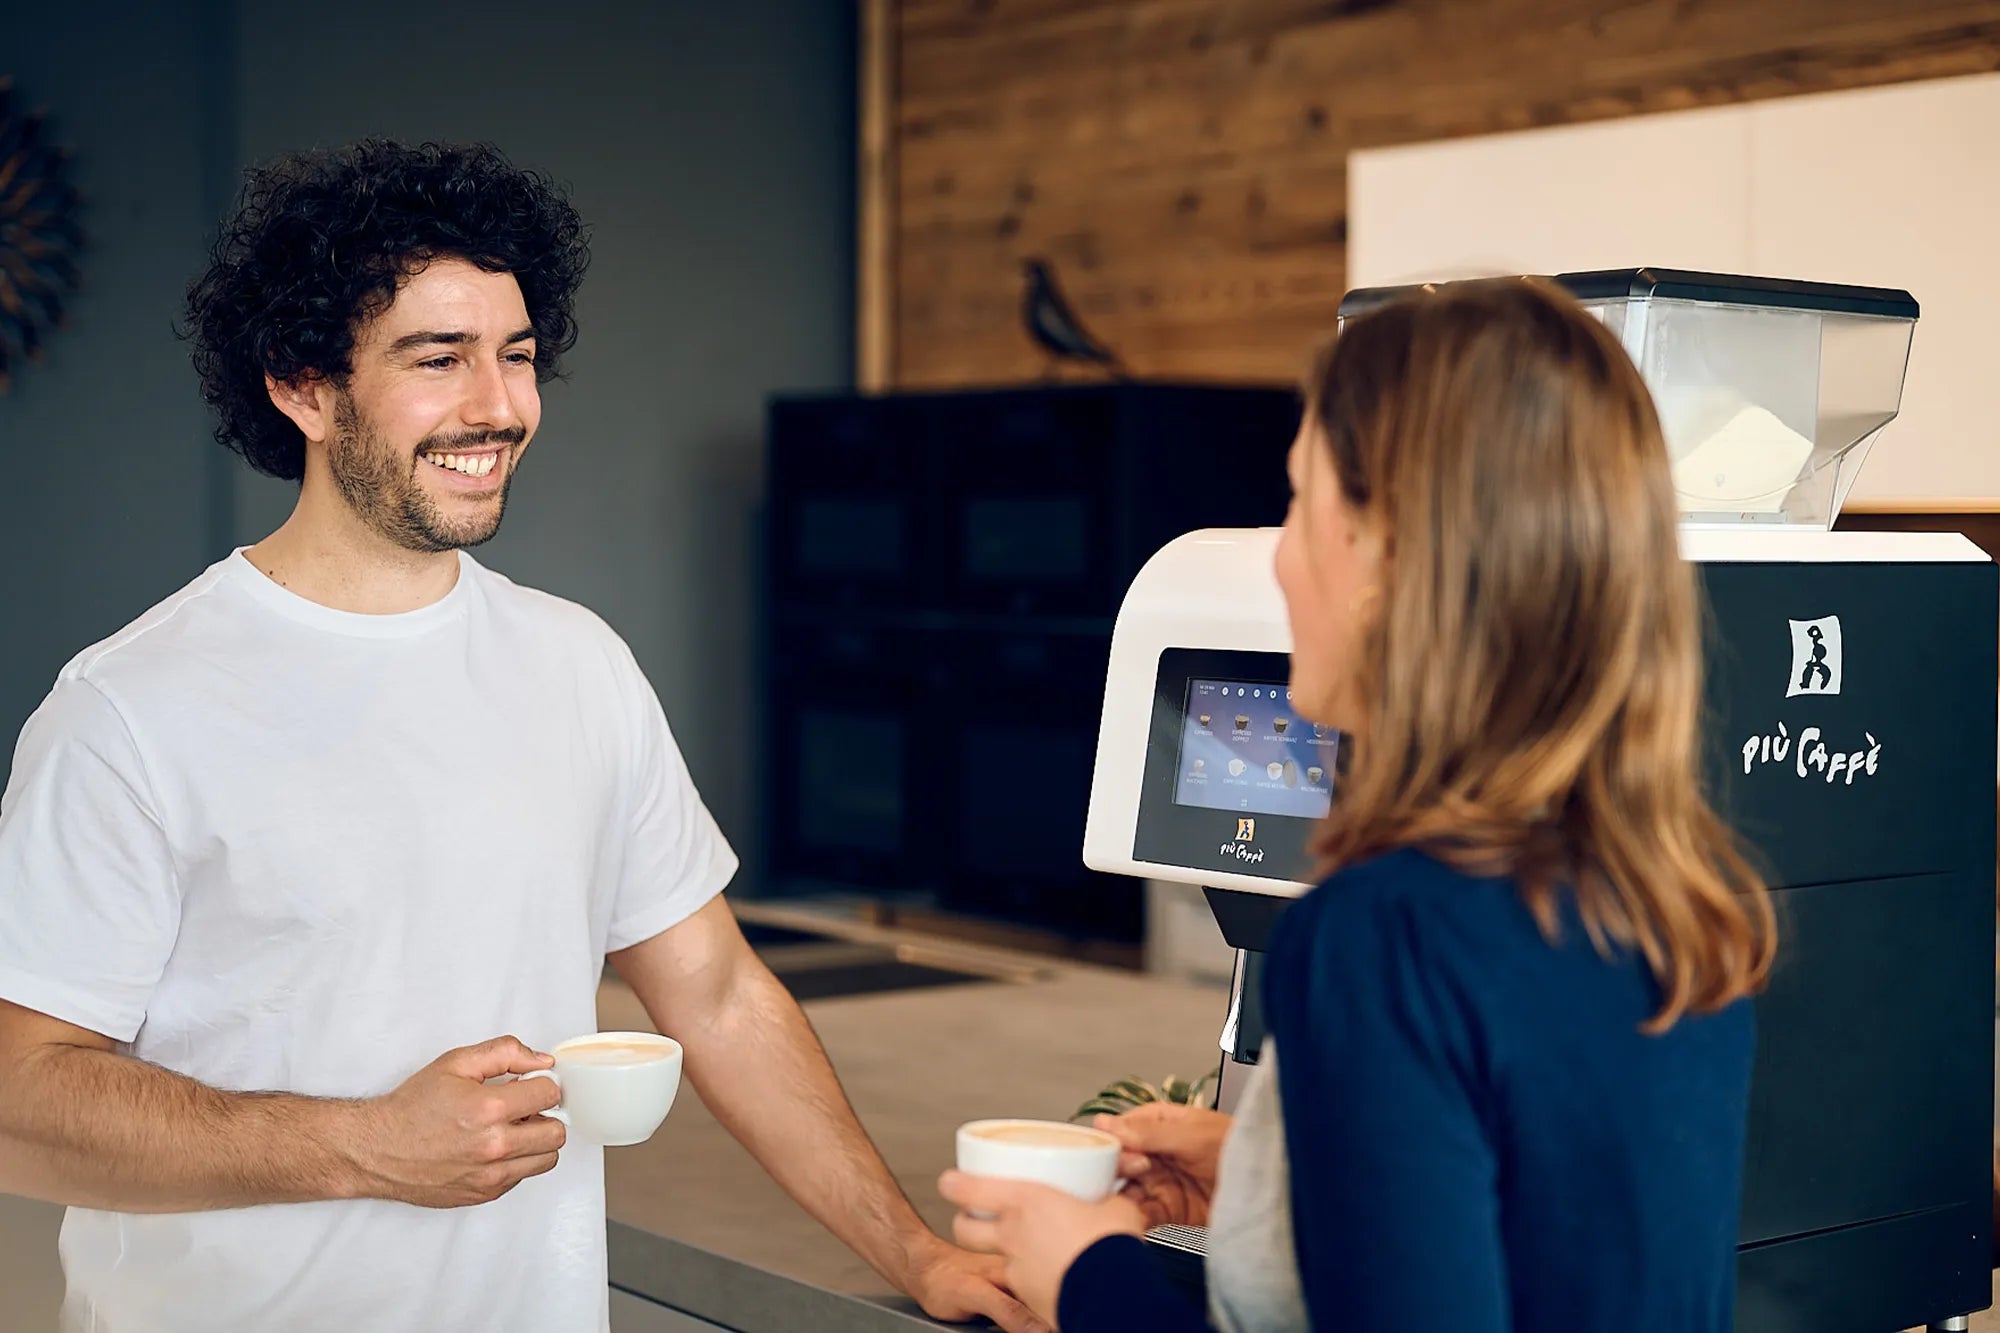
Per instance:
{"type": "Point", "coordinates": [1509, 1065]}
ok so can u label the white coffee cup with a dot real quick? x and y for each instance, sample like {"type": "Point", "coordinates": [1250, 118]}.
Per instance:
{"type": "Point", "coordinates": [1072, 1158]}
{"type": "Point", "coordinates": [616, 1086]}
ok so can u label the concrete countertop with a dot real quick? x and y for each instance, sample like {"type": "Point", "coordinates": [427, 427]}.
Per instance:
{"type": "Point", "coordinates": [725, 1293]}
{"type": "Point", "coordinates": [698, 1226]}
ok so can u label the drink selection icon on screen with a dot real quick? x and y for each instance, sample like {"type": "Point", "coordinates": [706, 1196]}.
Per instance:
{"type": "Point", "coordinates": [1265, 761]}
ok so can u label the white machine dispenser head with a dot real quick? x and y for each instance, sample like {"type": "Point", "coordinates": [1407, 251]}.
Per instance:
{"type": "Point", "coordinates": [1205, 774]}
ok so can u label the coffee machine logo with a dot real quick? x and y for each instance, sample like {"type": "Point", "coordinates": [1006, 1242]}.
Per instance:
{"type": "Point", "coordinates": [1815, 657]}
{"type": "Point", "coordinates": [1809, 753]}
{"type": "Point", "coordinates": [1239, 848]}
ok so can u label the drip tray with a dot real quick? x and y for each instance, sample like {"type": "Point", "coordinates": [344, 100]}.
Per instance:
{"type": "Point", "coordinates": [816, 968]}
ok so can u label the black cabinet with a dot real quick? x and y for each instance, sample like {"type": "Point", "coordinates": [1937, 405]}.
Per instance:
{"type": "Point", "coordinates": [943, 574]}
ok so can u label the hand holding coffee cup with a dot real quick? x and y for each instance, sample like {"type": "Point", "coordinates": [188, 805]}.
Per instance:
{"type": "Point", "coordinates": [449, 1137]}
{"type": "Point", "coordinates": [1038, 1193]}
{"type": "Point", "coordinates": [1172, 1157]}
{"type": "Point", "coordinates": [616, 1087]}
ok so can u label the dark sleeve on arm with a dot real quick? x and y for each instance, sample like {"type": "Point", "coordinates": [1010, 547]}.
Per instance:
{"type": "Point", "coordinates": [1395, 1184]}
{"type": "Point", "coordinates": [1115, 1286]}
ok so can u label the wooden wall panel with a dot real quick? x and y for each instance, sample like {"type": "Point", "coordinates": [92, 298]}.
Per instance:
{"type": "Point", "coordinates": [1183, 162]}
{"type": "Point", "coordinates": [875, 189]}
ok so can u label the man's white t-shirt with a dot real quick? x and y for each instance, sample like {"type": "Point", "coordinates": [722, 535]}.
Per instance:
{"type": "Point", "coordinates": [274, 846]}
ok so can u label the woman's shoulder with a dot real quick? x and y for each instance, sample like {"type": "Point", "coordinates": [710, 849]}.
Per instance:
{"type": "Point", "coordinates": [1399, 908]}
{"type": "Point", "coordinates": [1387, 953]}
{"type": "Point", "coordinates": [1407, 910]}
{"type": "Point", "coordinates": [1405, 870]}
{"type": "Point", "coordinates": [1465, 943]}
{"type": "Point", "coordinates": [1406, 882]}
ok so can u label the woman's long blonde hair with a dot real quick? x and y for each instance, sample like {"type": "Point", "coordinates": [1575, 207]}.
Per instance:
{"type": "Point", "coordinates": [1533, 675]}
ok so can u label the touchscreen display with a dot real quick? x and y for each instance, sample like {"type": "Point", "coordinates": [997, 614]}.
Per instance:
{"type": "Point", "coordinates": [1243, 748]}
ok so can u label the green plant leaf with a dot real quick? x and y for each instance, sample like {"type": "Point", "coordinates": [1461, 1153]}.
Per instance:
{"type": "Point", "coordinates": [1129, 1093]}
{"type": "Point", "coordinates": [1138, 1090]}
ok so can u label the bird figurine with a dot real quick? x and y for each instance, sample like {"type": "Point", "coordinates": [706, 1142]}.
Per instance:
{"type": "Point", "coordinates": [1053, 324]}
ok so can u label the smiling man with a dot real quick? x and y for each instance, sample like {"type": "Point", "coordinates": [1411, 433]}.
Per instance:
{"type": "Point", "coordinates": [298, 866]}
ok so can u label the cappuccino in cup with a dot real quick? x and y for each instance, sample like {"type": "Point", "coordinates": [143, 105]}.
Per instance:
{"type": "Point", "coordinates": [1040, 1134]}
{"type": "Point", "coordinates": [610, 1051]}
{"type": "Point", "coordinates": [616, 1086]}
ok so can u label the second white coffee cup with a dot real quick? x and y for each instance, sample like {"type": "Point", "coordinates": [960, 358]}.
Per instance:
{"type": "Point", "coordinates": [616, 1086]}
{"type": "Point", "coordinates": [1076, 1160]}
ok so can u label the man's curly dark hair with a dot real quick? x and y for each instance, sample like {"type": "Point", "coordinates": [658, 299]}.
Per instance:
{"type": "Point", "coordinates": [318, 245]}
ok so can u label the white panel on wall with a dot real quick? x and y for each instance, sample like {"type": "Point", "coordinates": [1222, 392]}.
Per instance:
{"type": "Point", "coordinates": [1896, 186]}
{"type": "Point", "coordinates": [1900, 187]}
{"type": "Point", "coordinates": [1669, 189]}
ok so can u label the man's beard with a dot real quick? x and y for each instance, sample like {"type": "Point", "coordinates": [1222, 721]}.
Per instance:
{"type": "Point", "coordinates": [381, 486]}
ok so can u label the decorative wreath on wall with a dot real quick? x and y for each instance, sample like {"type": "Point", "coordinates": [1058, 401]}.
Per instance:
{"type": "Point", "coordinates": [40, 235]}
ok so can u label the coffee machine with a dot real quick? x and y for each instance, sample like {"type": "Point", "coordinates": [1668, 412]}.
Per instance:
{"type": "Point", "coordinates": [1848, 738]}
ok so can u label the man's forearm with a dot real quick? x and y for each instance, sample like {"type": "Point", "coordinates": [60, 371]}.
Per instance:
{"type": "Point", "coordinates": [95, 1129]}
{"type": "Point", "coordinates": [764, 1075]}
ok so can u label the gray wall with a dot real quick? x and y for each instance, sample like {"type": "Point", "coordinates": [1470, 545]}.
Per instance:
{"type": "Point", "coordinates": [108, 477]}
{"type": "Point", "coordinates": [712, 149]}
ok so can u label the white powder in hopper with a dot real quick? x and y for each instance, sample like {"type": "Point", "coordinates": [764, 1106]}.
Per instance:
{"type": "Point", "coordinates": [1747, 465]}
